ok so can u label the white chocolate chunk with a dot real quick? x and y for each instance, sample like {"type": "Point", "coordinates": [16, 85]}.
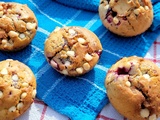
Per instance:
{"type": "Point", "coordinates": [15, 77]}
{"type": "Point", "coordinates": [71, 53]}
{"type": "Point", "coordinates": [146, 76]}
{"type": "Point", "coordinates": [1, 94]}
{"type": "Point", "coordinates": [136, 11]}
{"type": "Point", "coordinates": [144, 113]}
{"type": "Point", "coordinates": [30, 26]}
{"type": "Point", "coordinates": [146, 8]}
{"type": "Point", "coordinates": [88, 57]}
{"type": "Point", "coordinates": [79, 70]}
{"type": "Point", "coordinates": [67, 63]}
{"type": "Point", "coordinates": [12, 109]}
{"type": "Point", "coordinates": [22, 36]}
{"type": "Point", "coordinates": [20, 105]}
{"type": "Point", "coordinates": [65, 72]}
{"type": "Point", "coordinates": [25, 84]}
{"type": "Point", "coordinates": [4, 41]}
{"type": "Point", "coordinates": [81, 40]}
{"type": "Point", "coordinates": [4, 71]}
{"type": "Point", "coordinates": [23, 95]}
{"type": "Point", "coordinates": [34, 93]}
{"type": "Point", "coordinates": [152, 117]}
{"type": "Point", "coordinates": [86, 66]}
{"type": "Point", "coordinates": [106, 7]}
{"type": "Point", "coordinates": [57, 29]}
{"type": "Point", "coordinates": [115, 20]}
{"type": "Point", "coordinates": [13, 34]}
{"type": "Point", "coordinates": [72, 32]}
{"type": "Point", "coordinates": [128, 84]}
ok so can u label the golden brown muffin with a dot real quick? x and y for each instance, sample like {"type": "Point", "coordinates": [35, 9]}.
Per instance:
{"type": "Point", "coordinates": [133, 86]}
{"type": "Point", "coordinates": [18, 26]}
{"type": "Point", "coordinates": [17, 89]}
{"type": "Point", "coordinates": [126, 17]}
{"type": "Point", "coordinates": [72, 51]}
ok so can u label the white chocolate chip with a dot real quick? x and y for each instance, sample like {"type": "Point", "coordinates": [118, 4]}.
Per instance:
{"type": "Point", "coordinates": [152, 117]}
{"type": "Point", "coordinates": [128, 84]}
{"type": "Point", "coordinates": [31, 26]}
{"type": "Point", "coordinates": [13, 34]}
{"type": "Point", "coordinates": [4, 41]}
{"type": "Point", "coordinates": [81, 40]}
{"type": "Point", "coordinates": [88, 57]}
{"type": "Point", "coordinates": [86, 66]}
{"type": "Point", "coordinates": [20, 105]}
{"type": "Point", "coordinates": [71, 53]}
{"type": "Point", "coordinates": [57, 29]}
{"type": "Point", "coordinates": [106, 7]}
{"type": "Point", "coordinates": [22, 36]}
{"type": "Point", "coordinates": [1, 94]}
{"type": "Point", "coordinates": [15, 77]}
{"type": "Point", "coordinates": [25, 84]}
{"type": "Point", "coordinates": [4, 71]}
{"type": "Point", "coordinates": [79, 70]}
{"type": "Point", "coordinates": [67, 63]}
{"type": "Point", "coordinates": [136, 11]}
{"type": "Point", "coordinates": [144, 113]}
{"type": "Point", "coordinates": [115, 20]}
{"type": "Point", "coordinates": [23, 95]}
{"type": "Point", "coordinates": [34, 93]}
{"type": "Point", "coordinates": [146, 8]}
{"type": "Point", "coordinates": [65, 72]}
{"type": "Point", "coordinates": [146, 76]}
{"type": "Point", "coordinates": [72, 32]}
{"type": "Point", "coordinates": [12, 109]}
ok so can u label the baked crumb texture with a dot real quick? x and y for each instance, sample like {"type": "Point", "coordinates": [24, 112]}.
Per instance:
{"type": "Point", "coordinates": [133, 87]}
{"type": "Point", "coordinates": [72, 51]}
{"type": "Point", "coordinates": [126, 17]}
{"type": "Point", "coordinates": [18, 26]}
{"type": "Point", "coordinates": [17, 89]}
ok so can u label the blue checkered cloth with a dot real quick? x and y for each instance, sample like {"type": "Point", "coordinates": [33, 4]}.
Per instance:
{"type": "Point", "coordinates": [80, 98]}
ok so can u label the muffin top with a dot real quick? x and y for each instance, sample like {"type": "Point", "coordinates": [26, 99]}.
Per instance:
{"type": "Point", "coordinates": [133, 85]}
{"type": "Point", "coordinates": [18, 26]}
{"type": "Point", "coordinates": [72, 50]}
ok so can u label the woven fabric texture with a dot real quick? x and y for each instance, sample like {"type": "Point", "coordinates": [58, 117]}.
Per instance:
{"type": "Point", "coordinates": [77, 97]}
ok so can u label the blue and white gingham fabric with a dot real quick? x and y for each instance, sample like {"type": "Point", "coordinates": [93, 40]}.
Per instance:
{"type": "Point", "coordinates": [80, 98]}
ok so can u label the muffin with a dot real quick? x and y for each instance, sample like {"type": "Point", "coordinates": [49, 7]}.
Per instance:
{"type": "Point", "coordinates": [126, 17]}
{"type": "Point", "coordinates": [133, 85]}
{"type": "Point", "coordinates": [72, 50]}
{"type": "Point", "coordinates": [17, 89]}
{"type": "Point", "coordinates": [18, 26]}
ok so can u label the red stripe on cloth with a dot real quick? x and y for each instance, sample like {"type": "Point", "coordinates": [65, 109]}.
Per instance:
{"type": "Point", "coordinates": [103, 117]}
{"type": "Point", "coordinates": [43, 112]}
{"type": "Point", "coordinates": [39, 102]}
{"type": "Point", "coordinates": [155, 52]}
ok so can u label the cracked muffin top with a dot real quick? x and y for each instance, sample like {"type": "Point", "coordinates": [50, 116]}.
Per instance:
{"type": "Point", "coordinates": [126, 17]}
{"type": "Point", "coordinates": [18, 26]}
{"type": "Point", "coordinates": [133, 86]}
{"type": "Point", "coordinates": [73, 50]}
{"type": "Point", "coordinates": [17, 89]}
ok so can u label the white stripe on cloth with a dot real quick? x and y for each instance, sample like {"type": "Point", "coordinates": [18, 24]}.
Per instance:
{"type": "Point", "coordinates": [45, 14]}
